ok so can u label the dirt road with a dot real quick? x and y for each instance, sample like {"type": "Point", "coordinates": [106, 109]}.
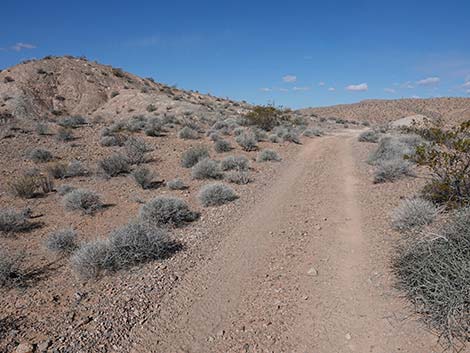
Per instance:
{"type": "Point", "coordinates": [304, 270]}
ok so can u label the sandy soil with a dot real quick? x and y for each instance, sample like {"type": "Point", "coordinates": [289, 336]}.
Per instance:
{"type": "Point", "coordinates": [303, 270]}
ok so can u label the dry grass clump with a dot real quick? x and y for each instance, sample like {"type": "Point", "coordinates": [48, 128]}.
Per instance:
{"type": "Point", "coordinates": [82, 200]}
{"type": "Point", "coordinates": [10, 272]}
{"type": "Point", "coordinates": [391, 148]}
{"type": "Point", "coordinates": [313, 132]}
{"type": "Point", "coordinates": [221, 146]}
{"type": "Point", "coordinates": [388, 171]}
{"type": "Point", "coordinates": [414, 213]}
{"type": "Point", "coordinates": [369, 136]}
{"type": "Point", "coordinates": [192, 156]}
{"type": "Point", "coordinates": [247, 141]}
{"type": "Point", "coordinates": [176, 184]}
{"type": "Point", "coordinates": [62, 241]}
{"type": "Point", "coordinates": [12, 221]}
{"type": "Point", "coordinates": [24, 186]}
{"type": "Point", "coordinates": [40, 155]}
{"type": "Point", "coordinates": [234, 162]}
{"type": "Point", "coordinates": [91, 258]}
{"type": "Point", "coordinates": [65, 189]}
{"type": "Point", "coordinates": [216, 194]}
{"type": "Point", "coordinates": [169, 211]}
{"type": "Point", "coordinates": [64, 135]}
{"type": "Point", "coordinates": [114, 165]}
{"type": "Point", "coordinates": [115, 139]}
{"type": "Point", "coordinates": [143, 176]}
{"type": "Point", "coordinates": [206, 169]}
{"type": "Point", "coordinates": [135, 150]}
{"type": "Point", "coordinates": [72, 122]}
{"type": "Point", "coordinates": [267, 155]}
{"type": "Point", "coordinates": [240, 177]}
{"type": "Point", "coordinates": [434, 271]}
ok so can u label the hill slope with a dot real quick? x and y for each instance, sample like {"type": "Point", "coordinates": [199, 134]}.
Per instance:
{"type": "Point", "coordinates": [449, 110]}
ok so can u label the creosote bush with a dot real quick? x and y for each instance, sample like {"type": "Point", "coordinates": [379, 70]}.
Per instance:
{"type": "Point", "coordinates": [216, 194]}
{"type": "Point", "coordinates": [206, 169]}
{"type": "Point", "coordinates": [268, 155]}
{"type": "Point", "coordinates": [265, 117]}
{"type": "Point", "coordinates": [114, 165]}
{"type": "Point", "coordinates": [434, 271]}
{"type": "Point", "coordinates": [82, 200]}
{"type": "Point", "coordinates": [62, 241]}
{"type": "Point", "coordinates": [169, 211]}
{"type": "Point", "coordinates": [414, 213]}
{"type": "Point", "coordinates": [194, 155]}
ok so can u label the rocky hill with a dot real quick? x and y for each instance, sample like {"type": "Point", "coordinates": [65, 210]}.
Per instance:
{"type": "Point", "coordinates": [447, 110]}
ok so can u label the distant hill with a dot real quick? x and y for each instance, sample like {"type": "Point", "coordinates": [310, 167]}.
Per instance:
{"type": "Point", "coordinates": [447, 110]}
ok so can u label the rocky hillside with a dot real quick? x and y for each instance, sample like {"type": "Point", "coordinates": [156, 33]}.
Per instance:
{"type": "Point", "coordinates": [61, 86]}
{"type": "Point", "coordinates": [447, 110]}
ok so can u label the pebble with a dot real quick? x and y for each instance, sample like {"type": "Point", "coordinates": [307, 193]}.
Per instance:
{"type": "Point", "coordinates": [312, 272]}
{"type": "Point", "coordinates": [347, 336]}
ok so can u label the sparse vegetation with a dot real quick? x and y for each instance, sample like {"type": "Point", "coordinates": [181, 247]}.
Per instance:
{"type": "Point", "coordinates": [113, 140]}
{"type": "Point", "coordinates": [12, 221]}
{"type": "Point", "coordinates": [177, 184]}
{"type": "Point", "coordinates": [82, 200]}
{"type": "Point", "coordinates": [234, 162]}
{"type": "Point", "coordinates": [42, 128]}
{"type": "Point", "coordinates": [206, 169]}
{"type": "Point", "coordinates": [193, 156]}
{"type": "Point", "coordinates": [40, 155]}
{"type": "Point", "coordinates": [241, 177]}
{"type": "Point", "coordinates": [216, 194]}
{"type": "Point", "coordinates": [136, 149]}
{"type": "Point", "coordinates": [143, 176]}
{"type": "Point", "coordinates": [24, 186]}
{"type": "Point", "coordinates": [248, 141]}
{"type": "Point", "coordinates": [265, 117]}
{"type": "Point", "coordinates": [268, 155]}
{"type": "Point", "coordinates": [62, 241]}
{"type": "Point", "coordinates": [10, 272]}
{"type": "Point", "coordinates": [313, 132]}
{"type": "Point", "coordinates": [187, 133]}
{"type": "Point", "coordinates": [65, 189]}
{"type": "Point", "coordinates": [64, 134]}
{"type": "Point", "coordinates": [114, 165]}
{"type": "Point", "coordinates": [414, 213]}
{"type": "Point", "coordinates": [369, 136]}
{"type": "Point", "coordinates": [170, 211]}
{"type": "Point", "coordinates": [221, 146]}
{"type": "Point", "coordinates": [72, 122]}
{"type": "Point", "coordinates": [391, 170]}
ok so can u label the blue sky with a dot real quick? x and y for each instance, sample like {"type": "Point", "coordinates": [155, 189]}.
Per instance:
{"type": "Point", "coordinates": [295, 53]}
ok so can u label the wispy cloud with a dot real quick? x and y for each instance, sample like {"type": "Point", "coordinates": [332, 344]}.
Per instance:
{"type": "Point", "coordinates": [429, 81]}
{"type": "Point", "coordinates": [283, 90]}
{"type": "Point", "coordinates": [321, 84]}
{"type": "Point", "coordinates": [407, 84]}
{"type": "Point", "coordinates": [301, 88]}
{"type": "Point", "coordinates": [466, 84]}
{"type": "Point", "coordinates": [389, 90]}
{"type": "Point", "coordinates": [265, 89]}
{"type": "Point", "coordinates": [289, 78]}
{"type": "Point", "coordinates": [331, 89]}
{"type": "Point", "coordinates": [358, 88]}
{"type": "Point", "coordinates": [19, 47]}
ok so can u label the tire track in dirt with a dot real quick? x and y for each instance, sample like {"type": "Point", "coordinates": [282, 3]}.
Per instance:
{"type": "Point", "coordinates": [295, 274]}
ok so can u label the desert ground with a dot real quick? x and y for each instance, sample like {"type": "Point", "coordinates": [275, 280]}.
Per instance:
{"type": "Point", "coordinates": [295, 256]}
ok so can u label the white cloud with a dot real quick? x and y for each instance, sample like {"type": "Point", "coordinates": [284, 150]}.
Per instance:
{"type": "Point", "coordinates": [468, 91]}
{"type": "Point", "coordinates": [428, 81]}
{"type": "Point", "coordinates": [20, 46]}
{"type": "Point", "coordinates": [265, 89]}
{"type": "Point", "coordinates": [331, 89]}
{"type": "Point", "coordinates": [358, 88]}
{"type": "Point", "coordinates": [289, 78]}
{"type": "Point", "coordinates": [389, 90]}
{"type": "Point", "coordinates": [321, 84]}
{"type": "Point", "coordinates": [466, 84]}
{"type": "Point", "coordinates": [415, 97]}
{"type": "Point", "coordinates": [283, 90]}
{"type": "Point", "coordinates": [301, 88]}
{"type": "Point", "coordinates": [407, 84]}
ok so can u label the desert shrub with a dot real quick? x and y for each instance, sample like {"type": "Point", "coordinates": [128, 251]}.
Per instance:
{"type": "Point", "coordinates": [65, 189]}
{"type": "Point", "coordinates": [221, 146]}
{"type": "Point", "coordinates": [45, 183]}
{"type": "Point", "coordinates": [247, 141]}
{"type": "Point", "coordinates": [414, 213]}
{"type": "Point", "coordinates": [154, 127]}
{"type": "Point", "coordinates": [291, 135]}
{"type": "Point", "coordinates": [114, 165]}
{"type": "Point", "coordinates": [234, 162]}
{"type": "Point", "coordinates": [391, 170]}
{"type": "Point", "coordinates": [82, 200]}
{"type": "Point", "coordinates": [193, 156]}
{"type": "Point", "coordinates": [265, 117]}
{"type": "Point", "coordinates": [268, 155]}
{"type": "Point", "coordinates": [136, 149]}
{"type": "Point", "coordinates": [91, 258]}
{"type": "Point", "coordinates": [260, 134]}
{"type": "Point", "coordinates": [176, 184]}
{"type": "Point", "coordinates": [390, 148]}
{"type": "Point", "coordinates": [113, 140]}
{"type": "Point", "coordinates": [238, 131]}
{"type": "Point", "coordinates": [369, 136]}
{"type": "Point", "coordinates": [25, 186]}
{"type": "Point", "coordinates": [135, 124]}
{"type": "Point", "coordinates": [313, 132]}
{"type": "Point", "coordinates": [143, 176]}
{"type": "Point", "coordinates": [10, 272]}
{"type": "Point", "coordinates": [62, 241]}
{"type": "Point", "coordinates": [241, 177]}
{"type": "Point", "coordinates": [206, 169]}
{"type": "Point", "coordinates": [42, 128]}
{"type": "Point", "coordinates": [57, 170]}
{"type": "Point", "coordinates": [434, 272]}
{"type": "Point", "coordinates": [187, 133]}
{"type": "Point", "coordinates": [170, 211]}
{"type": "Point", "coordinates": [213, 136]}
{"type": "Point", "coordinates": [448, 158]}
{"type": "Point", "coordinates": [151, 108]}
{"type": "Point", "coordinates": [40, 155]}
{"type": "Point", "coordinates": [12, 221]}
{"type": "Point", "coordinates": [64, 135]}
{"type": "Point", "coordinates": [216, 194]}
{"type": "Point", "coordinates": [274, 138]}
{"type": "Point", "coordinates": [72, 122]}
{"type": "Point", "coordinates": [76, 168]}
